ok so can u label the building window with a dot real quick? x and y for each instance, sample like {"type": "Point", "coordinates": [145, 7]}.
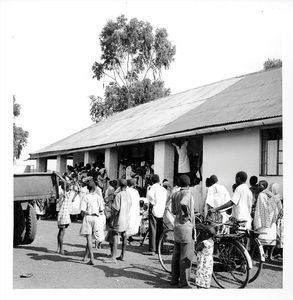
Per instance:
{"type": "Point", "coordinates": [272, 152]}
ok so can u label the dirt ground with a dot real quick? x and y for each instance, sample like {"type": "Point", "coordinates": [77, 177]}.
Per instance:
{"type": "Point", "coordinates": [51, 270]}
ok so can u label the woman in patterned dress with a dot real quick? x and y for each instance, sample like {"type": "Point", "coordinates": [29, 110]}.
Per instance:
{"type": "Point", "coordinates": [204, 259]}
{"type": "Point", "coordinates": [267, 210]}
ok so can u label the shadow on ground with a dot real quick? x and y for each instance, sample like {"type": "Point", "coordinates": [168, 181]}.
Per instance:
{"type": "Point", "coordinates": [151, 276]}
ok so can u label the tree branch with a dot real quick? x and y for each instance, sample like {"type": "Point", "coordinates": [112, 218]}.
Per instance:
{"type": "Point", "coordinates": [122, 71]}
{"type": "Point", "coordinates": [149, 65]}
{"type": "Point", "coordinates": [127, 67]}
{"type": "Point", "coordinates": [125, 83]}
{"type": "Point", "coordinates": [113, 78]}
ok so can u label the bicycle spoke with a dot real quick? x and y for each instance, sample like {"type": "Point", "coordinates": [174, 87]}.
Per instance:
{"type": "Point", "coordinates": [230, 266]}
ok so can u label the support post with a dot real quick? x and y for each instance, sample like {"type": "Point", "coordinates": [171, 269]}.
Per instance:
{"type": "Point", "coordinates": [164, 160]}
{"type": "Point", "coordinates": [41, 165]}
{"type": "Point", "coordinates": [111, 162]}
{"type": "Point", "coordinates": [61, 164]}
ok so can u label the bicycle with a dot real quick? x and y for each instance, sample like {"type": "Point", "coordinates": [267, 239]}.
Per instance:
{"type": "Point", "coordinates": [166, 244]}
{"type": "Point", "coordinates": [231, 260]}
{"type": "Point", "coordinates": [249, 239]}
{"type": "Point", "coordinates": [146, 235]}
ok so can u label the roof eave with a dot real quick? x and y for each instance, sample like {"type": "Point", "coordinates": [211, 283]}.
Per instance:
{"type": "Point", "coordinates": [185, 133]}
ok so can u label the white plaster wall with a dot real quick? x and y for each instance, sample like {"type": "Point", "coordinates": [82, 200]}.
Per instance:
{"type": "Point", "coordinates": [224, 154]}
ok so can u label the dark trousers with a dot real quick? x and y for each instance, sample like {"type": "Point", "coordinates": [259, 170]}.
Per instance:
{"type": "Point", "coordinates": [156, 229]}
{"type": "Point", "coordinates": [181, 262]}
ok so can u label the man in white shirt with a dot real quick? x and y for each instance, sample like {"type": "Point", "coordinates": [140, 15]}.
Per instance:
{"type": "Point", "coordinates": [157, 196]}
{"type": "Point", "coordinates": [217, 195]}
{"type": "Point", "coordinates": [241, 201]}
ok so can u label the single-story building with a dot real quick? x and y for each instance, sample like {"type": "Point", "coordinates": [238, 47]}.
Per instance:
{"type": "Point", "coordinates": [231, 125]}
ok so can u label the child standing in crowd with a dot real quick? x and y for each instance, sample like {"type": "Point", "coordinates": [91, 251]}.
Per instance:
{"type": "Point", "coordinates": [100, 235]}
{"type": "Point", "coordinates": [63, 218]}
{"type": "Point", "coordinates": [90, 225]}
{"type": "Point", "coordinates": [204, 258]}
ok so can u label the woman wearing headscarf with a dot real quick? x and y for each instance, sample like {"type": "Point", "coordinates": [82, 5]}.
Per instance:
{"type": "Point", "coordinates": [267, 211]}
{"type": "Point", "coordinates": [274, 189]}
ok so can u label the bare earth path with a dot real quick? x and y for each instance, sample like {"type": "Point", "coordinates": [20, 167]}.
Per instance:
{"type": "Point", "coordinates": [51, 270]}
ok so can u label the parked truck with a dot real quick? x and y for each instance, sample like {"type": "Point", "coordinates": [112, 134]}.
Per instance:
{"type": "Point", "coordinates": [29, 187]}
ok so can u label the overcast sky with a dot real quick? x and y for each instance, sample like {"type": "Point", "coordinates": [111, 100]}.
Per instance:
{"type": "Point", "coordinates": [50, 46]}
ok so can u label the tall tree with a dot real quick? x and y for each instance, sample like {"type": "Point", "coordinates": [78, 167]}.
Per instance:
{"type": "Point", "coordinates": [272, 63]}
{"type": "Point", "coordinates": [132, 59]}
{"type": "Point", "coordinates": [20, 136]}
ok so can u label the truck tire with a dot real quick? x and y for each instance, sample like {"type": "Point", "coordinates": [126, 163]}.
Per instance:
{"type": "Point", "coordinates": [31, 225]}
{"type": "Point", "coordinates": [19, 225]}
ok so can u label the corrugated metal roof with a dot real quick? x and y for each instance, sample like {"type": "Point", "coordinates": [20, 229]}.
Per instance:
{"type": "Point", "coordinates": [248, 97]}
{"type": "Point", "coordinates": [256, 96]}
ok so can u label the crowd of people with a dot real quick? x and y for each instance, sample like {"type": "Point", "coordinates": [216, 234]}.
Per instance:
{"type": "Point", "coordinates": [110, 209]}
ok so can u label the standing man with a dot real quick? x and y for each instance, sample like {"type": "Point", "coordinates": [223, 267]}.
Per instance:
{"type": "Point", "coordinates": [241, 201]}
{"type": "Point", "coordinates": [217, 195]}
{"type": "Point", "coordinates": [157, 196]}
{"type": "Point", "coordinates": [120, 220]}
{"type": "Point", "coordinates": [134, 217]}
{"type": "Point", "coordinates": [183, 209]}
{"type": "Point", "coordinates": [196, 192]}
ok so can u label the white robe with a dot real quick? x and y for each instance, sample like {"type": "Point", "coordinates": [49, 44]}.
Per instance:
{"type": "Point", "coordinates": [134, 217]}
{"type": "Point", "coordinates": [183, 160]}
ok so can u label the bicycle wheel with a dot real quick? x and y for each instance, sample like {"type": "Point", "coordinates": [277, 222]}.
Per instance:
{"type": "Point", "coordinates": [165, 249]}
{"type": "Point", "coordinates": [257, 255]}
{"type": "Point", "coordinates": [231, 264]}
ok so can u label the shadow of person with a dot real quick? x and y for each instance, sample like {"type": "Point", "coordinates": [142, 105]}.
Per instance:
{"type": "Point", "coordinates": [34, 248]}
{"type": "Point", "coordinates": [54, 258]}
{"type": "Point", "coordinates": [150, 276]}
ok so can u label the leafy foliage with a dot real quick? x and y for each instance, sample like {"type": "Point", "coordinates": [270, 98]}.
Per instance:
{"type": "Point", "coordinates": [131, 53]}
{"type": "Point", "coordinates": [20, 136]}
{"type": "Point", "coordinates": [272, 63]}
{"type": "Point", "coordinates": [141, 92]}
{"type": "Point", "coordinates": [20, 140]}
{"type": "Point", "coordinates": [16, 108]}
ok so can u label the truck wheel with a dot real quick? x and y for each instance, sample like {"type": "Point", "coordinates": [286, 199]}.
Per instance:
{"type": "Point", "coordinates": [31, 225]}
{"type": "Point", "coordinates": [19, 225]}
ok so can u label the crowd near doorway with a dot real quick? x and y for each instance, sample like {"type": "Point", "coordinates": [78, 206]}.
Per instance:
{"type": "Point", "coordinates": [136, 161]}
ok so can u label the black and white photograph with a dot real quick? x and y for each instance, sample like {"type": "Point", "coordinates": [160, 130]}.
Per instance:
{"type": "Point", "coordinates": [147, 141]}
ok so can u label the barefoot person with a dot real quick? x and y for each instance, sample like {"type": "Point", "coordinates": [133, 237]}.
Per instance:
{"type": "Point", "coordinates": [183, 209]}
{"type": "Point", "coordinates": [134, 218]}
{"type": "Point", "coordinates": [63, 218]}
{"type": "Point", "coordinates": [90, 224]}
{"type": "Point", "coordinates": [119, 221]}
